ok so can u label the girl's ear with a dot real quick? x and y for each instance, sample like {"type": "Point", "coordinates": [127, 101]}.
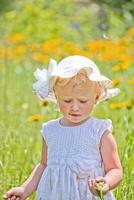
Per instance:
{"type": "Point", "coordinates": [97, 97]}
{"type": "Point", "coordinates": [98, 92]}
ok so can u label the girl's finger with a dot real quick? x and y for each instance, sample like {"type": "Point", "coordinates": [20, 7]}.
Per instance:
{"type": "Point", "coordinates": [99, 179]}
{"type": "Point", "coordinates": [9, 194]}
{"type": "Point", "coordinates": [96, 185]}
{"type": "Point", "coordinates": [13, 198]}
{"type": "Point", "coordinates": [91, 182]}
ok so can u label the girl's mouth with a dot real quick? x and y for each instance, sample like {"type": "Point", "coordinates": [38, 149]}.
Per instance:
{"type": "Point", "coordinates": [75, 115]}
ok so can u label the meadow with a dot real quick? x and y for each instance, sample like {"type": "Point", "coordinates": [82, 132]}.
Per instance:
{"type": "Point", "coordinates": [22, 114]}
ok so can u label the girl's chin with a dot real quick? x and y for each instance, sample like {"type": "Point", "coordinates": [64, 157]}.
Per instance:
{"type": "Point", "coordinates": [76, 120]}
{"type": "Point", "coordinates": [72, 120]}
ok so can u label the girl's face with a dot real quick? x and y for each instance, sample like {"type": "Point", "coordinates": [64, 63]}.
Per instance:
{"type": "Point", "coordinates": [76, 101]}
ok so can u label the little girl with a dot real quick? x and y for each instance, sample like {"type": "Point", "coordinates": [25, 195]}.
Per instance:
{"type": "Point", "coordinates": [79, 151]}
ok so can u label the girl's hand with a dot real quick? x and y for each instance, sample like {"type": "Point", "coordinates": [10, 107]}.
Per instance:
{"type": "Point", "coordinates": [16, 193]}
{"type": "Point", "coordinates": [95, 184]}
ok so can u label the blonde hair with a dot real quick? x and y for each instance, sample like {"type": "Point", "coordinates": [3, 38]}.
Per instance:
{"type": "Point", "coordinates": [79, 78]}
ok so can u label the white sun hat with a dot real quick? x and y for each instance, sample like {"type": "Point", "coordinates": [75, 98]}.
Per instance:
{"type": "Point", "coordinates": [67, 68]}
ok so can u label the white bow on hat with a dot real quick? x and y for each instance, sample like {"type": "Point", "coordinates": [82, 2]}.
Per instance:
{"type": "Point", "coordinates": [66, 68]}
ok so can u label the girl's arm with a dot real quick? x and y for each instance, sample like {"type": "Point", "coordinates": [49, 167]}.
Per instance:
{"type": "Point", "coordinates": [110, 157]}
{"type": "Point", "coordinates": [112, 165]}
{"type": "Point", "coordinates": [30, 185]}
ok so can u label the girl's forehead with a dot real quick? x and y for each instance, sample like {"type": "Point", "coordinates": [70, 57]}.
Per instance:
{"type": "Point", "coordinates": [83, 89]}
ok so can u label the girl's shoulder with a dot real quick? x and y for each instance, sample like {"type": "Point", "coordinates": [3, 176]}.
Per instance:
{"type": "Point", "coordinates": [99, 126]}
{"type": "Point", "coordinates": [99, 122]}
{"type": "Point", "coordinates": [51, 123]}
{"type": "Point", "coordinates": [48, 127]}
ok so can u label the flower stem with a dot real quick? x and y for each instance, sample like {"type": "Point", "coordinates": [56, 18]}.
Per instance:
{"type": "Point", "coordinates": [99, 191]}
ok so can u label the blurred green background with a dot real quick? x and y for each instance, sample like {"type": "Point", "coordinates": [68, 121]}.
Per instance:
{"type": "Point", "coordinates": [32, 32]}
{"type": "Point", "coordinates": [75, 20]}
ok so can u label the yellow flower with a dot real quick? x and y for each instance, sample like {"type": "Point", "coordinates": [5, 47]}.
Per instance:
{"type": "Point", "coordinates": [20, 49]}
{"type": "Point", "coordinates": [117, 105]}
{"type": "Point", "coordinates": [116, 81]}
{"type": "Point", "coordinates": [2, 51]}
{"type": "Point", "coordinates": [121, 66]}
{"type": "Point", "coordinates": [43, 103]}
{"type": "Point", "coordinates": [36, 117]}
{"type": "Point", "coordinates": [40, 57]}
{"type": "Point", "coordinates": [15, 38]}
{"type": "Point", "coordinates": [126, 104]}
{"type": "Point", "coordinates": [126, 64]}
{"type": "Point", "coordinates": [129, 104]}
{"type": "Point", "coordinates": [131, 31]}
{"type": "Point", "coordinates": [131, 81]}
{"type": "Point", "coordinates": [50, 45]}
{"type": "Point", "coordinates": [34, 47]}
{"type": "Point", "coordinates": [116, 68]}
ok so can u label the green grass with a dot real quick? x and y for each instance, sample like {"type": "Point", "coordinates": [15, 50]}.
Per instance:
{"type": "Point", "coordinates": [20, 140]}
{"type": "Point", "coordinates": [20, 147]}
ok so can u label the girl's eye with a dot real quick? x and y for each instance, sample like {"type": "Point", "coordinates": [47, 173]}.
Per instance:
{"type": "Point", "coordinates": [67, 101]}
{"type": "Point", "coordinates": [83, 101]}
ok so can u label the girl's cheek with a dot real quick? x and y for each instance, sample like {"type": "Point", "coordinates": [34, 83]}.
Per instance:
{"type": "Point", "coordinates": [63, 107]}
{"type": "Point", "coordinates": [88, 107]}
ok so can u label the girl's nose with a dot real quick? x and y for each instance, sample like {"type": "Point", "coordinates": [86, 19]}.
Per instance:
{"type": "Point", "coordinates": [75, 106]}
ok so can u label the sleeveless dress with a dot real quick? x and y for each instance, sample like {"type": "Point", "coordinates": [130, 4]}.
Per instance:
{"type": "Point", "coordinates": [73, 157]}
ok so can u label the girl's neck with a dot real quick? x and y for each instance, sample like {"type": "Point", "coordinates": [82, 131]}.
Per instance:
{"type": "Point", "coordinates": [65, 122]}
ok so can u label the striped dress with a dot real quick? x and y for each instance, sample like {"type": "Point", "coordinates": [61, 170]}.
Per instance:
{"type": "Point", "coordinates": [73, 157]}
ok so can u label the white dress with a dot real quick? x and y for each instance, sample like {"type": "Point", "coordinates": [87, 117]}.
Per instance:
{"type": "Point", "coordinates": [73, 157]}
